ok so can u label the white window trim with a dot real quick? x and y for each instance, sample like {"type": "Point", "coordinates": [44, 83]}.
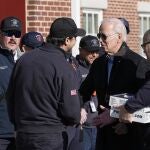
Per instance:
{"type": "Point", "coordinates": [143, 9]}
{"type": "Point", "coordinates": [142, 15]}
{"type": "Point", "coordinates": [93, 11]}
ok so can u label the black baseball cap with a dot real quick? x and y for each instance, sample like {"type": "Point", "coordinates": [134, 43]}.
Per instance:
{"type": "Point", "coordinates": [32, 39]}
{"type": "Point", "coordinates": [90, 43]}
{"type": "Point", "coordinates": [126, 24]}
{"type": "Point", "coordinates": [11, 23]}
{"type": "Point", "coordinates": [65, 27]}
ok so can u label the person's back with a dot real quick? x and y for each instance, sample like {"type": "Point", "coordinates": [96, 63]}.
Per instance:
{"type": "Point", "coordinates": [45, 97]}
{"type": "Point", "coordinates": [41, 86]}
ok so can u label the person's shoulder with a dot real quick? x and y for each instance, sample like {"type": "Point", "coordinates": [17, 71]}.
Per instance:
{"type": "Point", "coordinates": [133, 53]}
{"type": "Point", "coordinates": [134, 56]}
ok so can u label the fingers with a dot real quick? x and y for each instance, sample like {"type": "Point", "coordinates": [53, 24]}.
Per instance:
{"type": "Point", "coordinates": [102, 107]}
{"type": "Point", "coordinates": [83, 116]}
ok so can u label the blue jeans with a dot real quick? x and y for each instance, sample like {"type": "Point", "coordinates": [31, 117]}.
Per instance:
{"type": "Point", "coordinates": [89, 138]}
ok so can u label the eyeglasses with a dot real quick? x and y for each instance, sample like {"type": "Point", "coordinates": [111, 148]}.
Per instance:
{"type": "Point", "coordinates": [103, 36]}
{"type": "Point", "coordinates": [144, 44]}
{"type": "Point", "coordinates": [10, 33]}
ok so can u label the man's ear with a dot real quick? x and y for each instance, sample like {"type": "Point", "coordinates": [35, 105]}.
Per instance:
{"type": "Point", "coordinates": [66, 41]}
{"type": "Point", "coordinates": [119, 37]}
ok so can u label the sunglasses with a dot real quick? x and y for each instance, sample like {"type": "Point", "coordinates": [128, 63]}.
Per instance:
{"type": "Point", "coordinates": [144, 44]}
{"type": "Point", "coordinates": [103, 36]}
{"type": "Point", "coordinates": [10, 33]}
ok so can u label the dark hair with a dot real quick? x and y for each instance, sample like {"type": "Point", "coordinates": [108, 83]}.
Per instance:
{"type": "Point", "coordinates": [56, 41]}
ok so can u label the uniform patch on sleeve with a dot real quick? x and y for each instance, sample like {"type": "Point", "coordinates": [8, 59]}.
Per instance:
{"type": "Point", "coordinates": [73, 92]}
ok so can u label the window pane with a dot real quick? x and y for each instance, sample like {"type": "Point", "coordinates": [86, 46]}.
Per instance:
{"type": "Point", "coordinates": [89, 23]}
{"type": "Point", "coordinates": [144, 24]}
{"type": "Point", "coordinates": [95, 23]}
{"type": "Point", "coordinates": [149, 23]}
{"type": "Point", "coordinates": [84, 21]}
{"type": "Point", "coordinates": [141, 26]}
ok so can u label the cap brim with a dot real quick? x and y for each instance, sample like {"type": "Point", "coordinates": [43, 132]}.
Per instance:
{"type": "Point", "coordinates": [93, 49]}
{"type": "Point", "coordinates": [80, 32]}
{"type": "Point", "coordinates": [7, 29]}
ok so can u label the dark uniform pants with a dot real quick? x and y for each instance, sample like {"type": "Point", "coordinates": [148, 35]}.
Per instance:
{"type": "Point", "coordinates": [75, 138]}
{"type": "Point", "coordinates": [41, 141]}
{"type": "Point", "coordinates": [107, 139]}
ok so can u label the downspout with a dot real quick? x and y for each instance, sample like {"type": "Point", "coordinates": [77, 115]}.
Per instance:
{"type": "Point", "coordinates": [75, 14]}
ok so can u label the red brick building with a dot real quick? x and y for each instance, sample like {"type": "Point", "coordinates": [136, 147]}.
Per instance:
{"type": "Point", "coordinates": [38, 15]}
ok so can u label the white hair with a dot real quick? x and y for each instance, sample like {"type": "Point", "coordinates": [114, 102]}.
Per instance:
{"type": "Point", "coordinates": [118, 27]}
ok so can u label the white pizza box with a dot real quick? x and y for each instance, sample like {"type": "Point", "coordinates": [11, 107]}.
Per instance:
{"type": "Point", "coordinates": [141, 116]}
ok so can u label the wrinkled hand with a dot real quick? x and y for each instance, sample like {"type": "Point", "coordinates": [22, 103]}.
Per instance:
{"type": "Point", "coordinates": [104, 118]}
{"type": "Point", "coordinates": [83, 116]}
{"type": "Point", "coordinates": [120, 128]}
{"type": "Point", "coordinates": [124, 116]}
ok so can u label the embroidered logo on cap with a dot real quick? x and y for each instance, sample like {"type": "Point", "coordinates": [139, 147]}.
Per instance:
{"type": "Point", "coordinates": [39, 38]}
{"type": "Point", "coordinates": [94, 43]}
{"type": "Point", "coordinates": [14, 23]}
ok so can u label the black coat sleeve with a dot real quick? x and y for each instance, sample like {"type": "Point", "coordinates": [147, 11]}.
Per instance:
{"type": "Point", "coordinates": [140, 100]}
{"type": "Point", "coordinates": [69, 105]}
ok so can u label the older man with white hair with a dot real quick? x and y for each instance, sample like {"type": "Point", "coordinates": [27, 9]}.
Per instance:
{"type": "Point", "coordinates": [119, 71]}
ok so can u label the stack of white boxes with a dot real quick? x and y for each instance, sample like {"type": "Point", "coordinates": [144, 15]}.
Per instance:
{"type": "Point", "coordinates": [142, 116]}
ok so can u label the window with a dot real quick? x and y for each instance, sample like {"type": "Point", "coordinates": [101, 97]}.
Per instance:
{"type": "Point", "coordinates": [91, 21]}
{"type": "Point", "coordinates": [144, 26]}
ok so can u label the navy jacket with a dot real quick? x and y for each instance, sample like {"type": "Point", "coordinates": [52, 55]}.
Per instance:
{"type": "Point", "coordinates": [84, 68]}
{"type": "Point", "coordinates": [140, 99]}
{"type": "Point", "coordinates": [42, 96]}
{"type": "Point", "coordinates": [6, 67]}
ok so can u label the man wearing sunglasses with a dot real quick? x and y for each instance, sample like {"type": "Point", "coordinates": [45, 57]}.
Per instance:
{"type": "Point", "coordinates": [146, 44]}
{"type": "Point", "coordinates": [119, 71]}
{"type": "Point", "coordinates": [10, 33]}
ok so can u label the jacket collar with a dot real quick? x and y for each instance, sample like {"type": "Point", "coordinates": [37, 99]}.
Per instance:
{"type": "Point", "coordinates": [123, 49]}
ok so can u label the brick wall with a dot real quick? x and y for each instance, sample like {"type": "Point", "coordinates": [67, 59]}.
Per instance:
{"type": "Point", "coordinates": [128, 10]}
{"type": "Point", "coordinates": [41, 13]}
